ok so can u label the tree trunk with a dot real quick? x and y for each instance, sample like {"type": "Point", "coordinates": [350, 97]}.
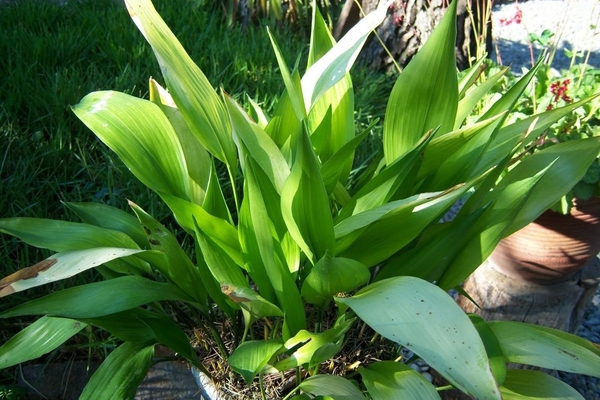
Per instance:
{"type": "Point", "coordinates": [408, 25]}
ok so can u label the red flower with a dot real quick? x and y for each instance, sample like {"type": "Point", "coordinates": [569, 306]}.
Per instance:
{"type": "Point", "coordinates": [516, 19]}
{"type": "Point", "coordinates": [559, 90]}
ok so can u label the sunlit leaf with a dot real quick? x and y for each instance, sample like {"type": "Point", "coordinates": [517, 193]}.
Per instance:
{"type": "Point", "coordinates": [148, 146]}
{"type": "Point", "coordinates": [198, 102]}
{"type": "Point", "coordinates": [425, 95]}
{"type": "Point", "coordinates": [60, 266]}
{"type": "Point", "coordinates": [425, 319]}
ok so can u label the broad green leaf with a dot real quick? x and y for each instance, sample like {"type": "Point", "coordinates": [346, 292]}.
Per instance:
{"type": "Point", "coordinates": [167, 332]}
{"type": "Point", "coordinates": [492, 347]}
{"type": "Point", "coordinates": [527, 385]}
{"type": "Point", "coordinates": [333, 275]}
{"type": "Point", "coordinates": [198, 102]}
{"type": "Point", "coordinates": [445, 156]}
{"type": "Point", "coordinates": [58, 235]}
{"type": "Point", "coordinates": [433, 253]}
{"type": "Point", "coordinates": [219, 230]}
{"type": "Point", "coordinates": [386, 184]}
{"type": "Point", "coordinates": [148, 146]}
{"type": "Point", "coordinates": [510, 136]}
{"type": "Point", "coordinates": [335, 107]}
{"type": "Point", "coordinates": [197, 159]}
{"type": "Point", "coordinates": [99, 298]}
{"type": "Point", "coordinates": [258, 114]}
{"type": "Point", "coordinates": [573, 159]}
{"type": "Point", "coordinates": [260, 145]}
{"type": "Point", "coordinates": [181, 271]}
{"type": "Point", "coordinates": [264, 251]}
{"type": "Point", "coordinates": [121, 373]}
{"type": "Point", "coordinates": [249, 358]}
{"type": "Point", "coordinates": [332, 386]}
{"type": "Point", "coordinates": [335, 64]}
{"type": "Point", "coordinates": [284, 124]}
{"type": "Point", "coordinates": [249, 300]}
{"type": "Point", "coordinates": [310, 343]}
{"type": "Point", "coordinates": [425, 319]}
{"type": "Point", "coordinates": [490, 228]}
{"type": "Point", "coordinates": [291, 81]}
{"type": "Point", "coordinates": [391, 380]}
{"type": "Point", "coordinates": [333, 169]}
{"type": "Point", "coordinates": [108, 217]}
{"type": "Point", "coordinates": [305, 204]}
{"type": "Point", "coordinates": [546, 348]}
{"type": "Point", "coordinates": [469, 76]}
{"type": "Point", "coordinates": [425, 95]}
{"type": "Point", "coordinates": [126, 325]}
{"type": "Point", "coordinates": [383, 231]}
{"type": "Point", "coordinates": [61, 266]}
{"type": "Point", "coordinates": [473, 96]}
{"type": "Point", "coordinates": [37, 339]}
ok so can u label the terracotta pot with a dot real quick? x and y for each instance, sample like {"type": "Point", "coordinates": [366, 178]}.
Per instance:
{"type": "Point", "coordinates": [553, 247]}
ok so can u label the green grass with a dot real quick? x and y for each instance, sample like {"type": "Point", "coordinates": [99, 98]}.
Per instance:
{"type": "Point", "coordinates": [53, 55]}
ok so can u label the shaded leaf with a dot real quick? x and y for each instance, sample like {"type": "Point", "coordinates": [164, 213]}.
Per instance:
{"type": "Point", "coordinates": [121, 373]}
{"type": "Point", "coordinates": [251, 356]}
{"type": "Point", "coordinates": [391, 380]}
{"type": "Point", "coordinates": [37, 339]}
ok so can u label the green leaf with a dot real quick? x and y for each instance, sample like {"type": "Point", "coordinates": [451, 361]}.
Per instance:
{"type": "Point", "coordinates": [391, 380]}
{"type": "Point", "coordinates": [511, 135]}
{"type": "Point", "coordinates": [291, 81]}
{"type": "Point", "coordinates": [262, 236]}
{"type": "Point", "coordinates": [386, 184]}
{"type": "Point", "coordinates": [527, 385]}
{"type": "Point", "coordinates": [221, 232]}
{"type": "Point", "coordinates": [310, 343]}
{"type": "Point", "coordinates": [260, 146]}
{"type": "Point", "coordinates": [331, 119]}
{"type": "Point", "coordinates": [61, 266]}
{"type": "Point", "coordinates": [546, 348]}
{"type": "Point", "coordinates": [573, 158]}
{"type": "Point", "coordinates": [249, 358]}
{"type": "Point", "coordinates": [121, 373]}
{"type": "Point", "coordinates": [425, 319]}
{"type": "Point", "coordinates": [57, 235]}
{"type": "Point", "coordinates": [492, 347]}
{"type": "Point", "coordinates": [180, 269]}
{"type": "Point", "coordinates": [383, 231]}
{"type": "Point", "coordinates": [425, 95]}
{"type": "Point", "coordinates": [148, 146]}
{"type": "Point", "coordinates": [198, 102]}
{"type": "Point", "coordinates": [99, 298]}
{"type": "Point", "coordinates": [305, 204]}
{"type": "Point", "coordinates": [37, 339]}
{"type": "Point", "coordinates": [505, 205]}
{"type": "Point", "coordinates": [108, 217]}
{"type": "Point", "coordinates": [197, 159]}
{"type": "Point", "coordinates": [335, 64]}
{"type": "Point", "coordinates": [335, 387]}
{"type": "Point", "coordinates": [249, 300]}
{"type": "Point", "coordinates": [333, 275]}
{"type": "Point", "coordinates": [473, 96]}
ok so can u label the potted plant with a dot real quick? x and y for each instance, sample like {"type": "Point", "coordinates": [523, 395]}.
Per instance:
{"type": "Point", "coordinates": [289, 258]}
